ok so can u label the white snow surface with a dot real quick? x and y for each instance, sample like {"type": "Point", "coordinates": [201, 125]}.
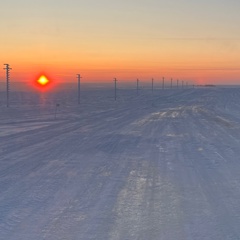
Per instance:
{"type": "Point", "coordinates": [153, 166]}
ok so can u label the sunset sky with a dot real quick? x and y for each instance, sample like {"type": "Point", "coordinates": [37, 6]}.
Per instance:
{"type": "Point", "coordinates": [190, 40]}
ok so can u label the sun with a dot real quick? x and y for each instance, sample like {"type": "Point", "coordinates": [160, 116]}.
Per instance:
{"type": "Point", "coordinates": [43, 81]}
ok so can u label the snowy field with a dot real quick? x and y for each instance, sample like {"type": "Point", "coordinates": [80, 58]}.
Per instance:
{"type": "Point", "coordinates": [161, 166]}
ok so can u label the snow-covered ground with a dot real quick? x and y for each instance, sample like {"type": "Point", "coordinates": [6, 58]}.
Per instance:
{"type": "Point", "coordinates": [161, 166]}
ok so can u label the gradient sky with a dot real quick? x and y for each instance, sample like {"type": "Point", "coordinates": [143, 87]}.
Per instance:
{"type": "Point", "coordinates": [127, 39]}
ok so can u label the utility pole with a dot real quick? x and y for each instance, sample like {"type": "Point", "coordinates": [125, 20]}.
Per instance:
{"type": "Point", "coordinates": [152, 85]}
{"type": "Point", "coordinates": [182, 84]}
{"type": "Point", "coordinates": [177, 83]}
{"type": "Point", "coordinates": [7, 68]}
{"type": "Point", "coordinates": [171, 83]}
{"type": "Point", "coordinates": [163, 83]}
{"type": "Point", "coordinates": [137, 85]}
{"type": "Point", "coordinates": [57, 105]}
{"type": "Point", "coordinates": [79, 77]}
{"type": "Point", "coordinates": [115, 86]}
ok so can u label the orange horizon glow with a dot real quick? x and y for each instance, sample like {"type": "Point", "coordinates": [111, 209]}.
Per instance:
{"type": "Point", "coordinates": [197, 72]}
{"type": "Point", "coordinates": [196, 61]}
{"type": "Point", "coordinates": [57, 74]}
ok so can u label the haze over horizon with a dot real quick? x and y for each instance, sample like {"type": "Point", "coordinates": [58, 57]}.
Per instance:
{"type": "Point", "coordinates": [193, 41]}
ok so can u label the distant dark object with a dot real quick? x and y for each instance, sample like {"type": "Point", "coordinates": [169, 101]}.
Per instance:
{"type": "Point", "coordinates": [206, 85]}
{"type": "Point", "coordinates": [209, 85]}
{"type": "Point", "coordinates": [55, 115]}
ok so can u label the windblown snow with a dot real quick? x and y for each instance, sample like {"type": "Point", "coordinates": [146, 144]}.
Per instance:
{"type": "Point", "coordinates": [154, 166]}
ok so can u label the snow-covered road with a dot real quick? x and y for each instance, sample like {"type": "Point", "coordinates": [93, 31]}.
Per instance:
{"type": "Point", "coordinates": [162, 166]}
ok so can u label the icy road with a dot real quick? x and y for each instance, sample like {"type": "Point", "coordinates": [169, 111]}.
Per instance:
{"type": "Point", "coordinates": [161, 166]}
